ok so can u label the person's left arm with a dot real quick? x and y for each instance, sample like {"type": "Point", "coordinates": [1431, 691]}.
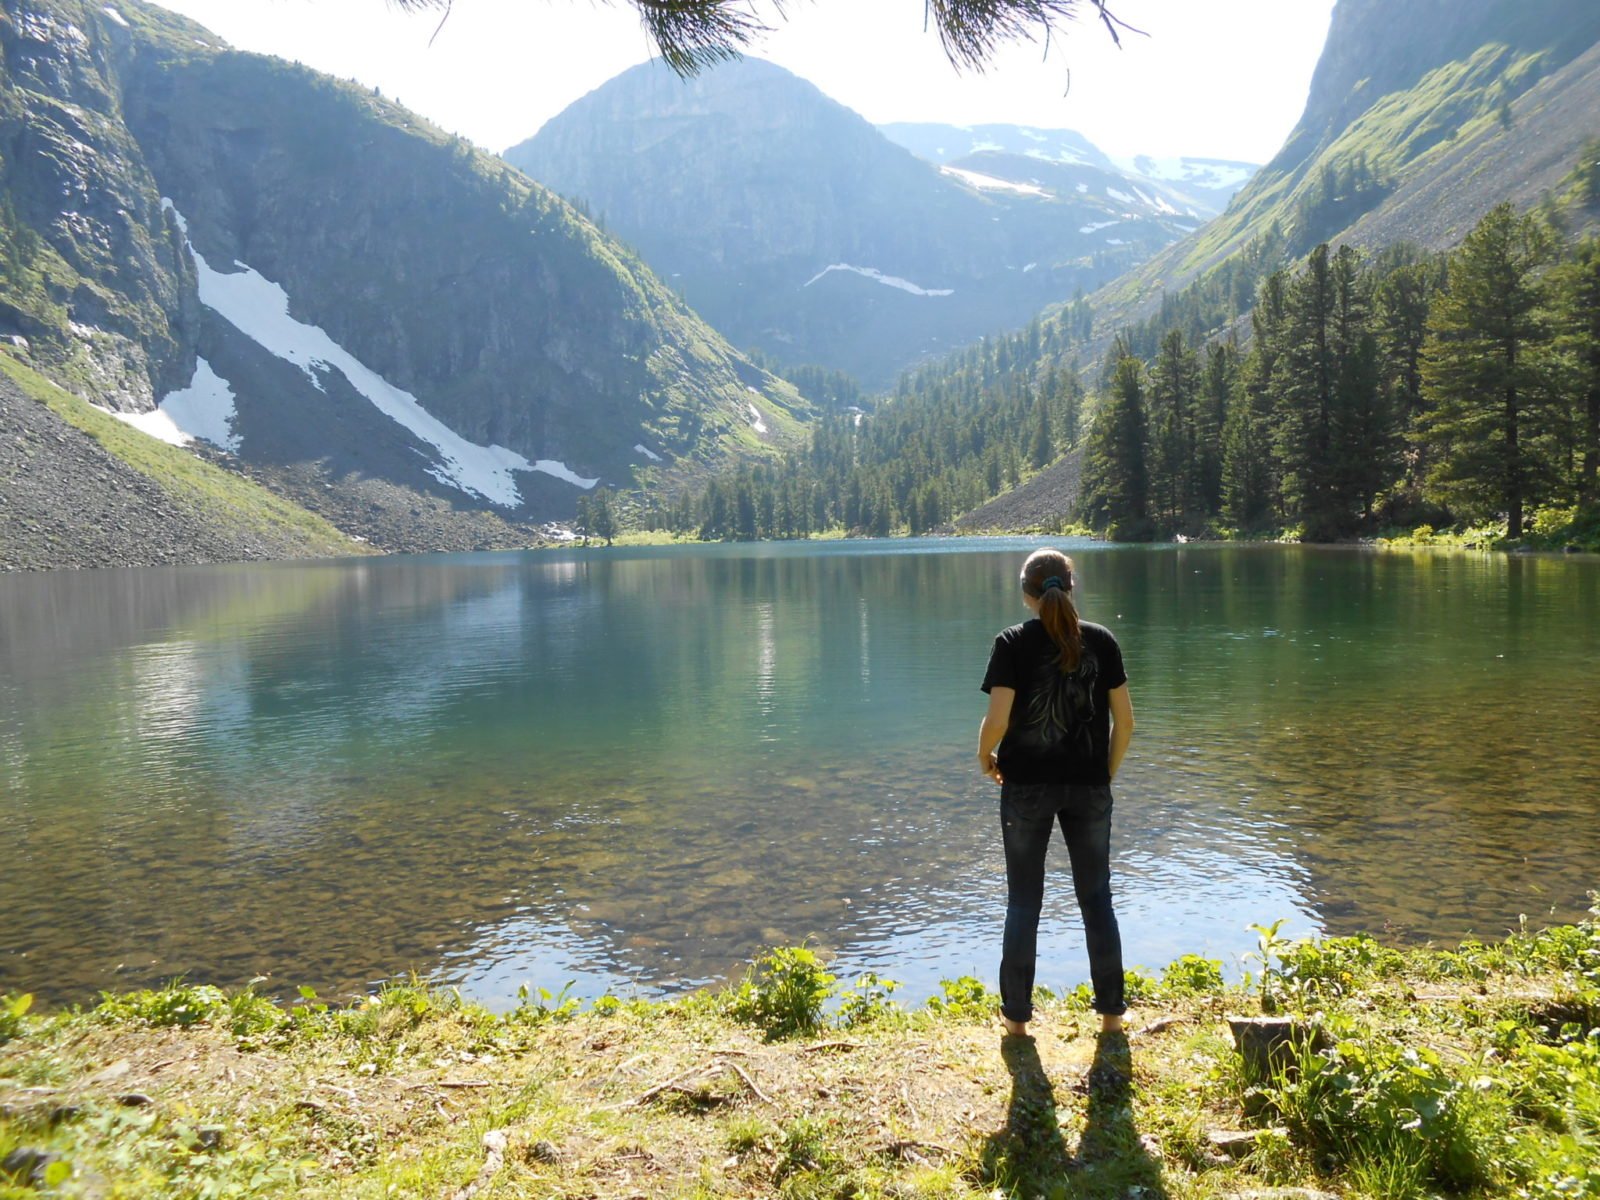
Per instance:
{"type": "Point", "coordinates": [995, 722]}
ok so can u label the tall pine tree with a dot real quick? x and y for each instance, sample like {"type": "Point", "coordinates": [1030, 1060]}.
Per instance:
{"type": "Point", "coordinates": [1115, 494]}
{"type": "Point", "coordinates": [1366, 442]}
{"type": "Point", "coordinates": [1218, 381]}
{"type": "Point", "coordinates": [1575, 296]}
{"type": "Point", "coordinates": [1400, 316]}
{"type": "Point", "coordinates": [1480, 374]}
{"type": "Point", "coordinates": [1306, 385]}
{"type": "Point", "coordinates": [1174, 392]}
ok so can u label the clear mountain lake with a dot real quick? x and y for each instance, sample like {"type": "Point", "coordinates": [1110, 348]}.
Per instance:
{"type": "Point", "coordinates": [634, 769]}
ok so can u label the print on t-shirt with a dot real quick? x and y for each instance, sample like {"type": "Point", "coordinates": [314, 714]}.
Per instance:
{"type": "Point", "coordinates": [1060, 708]}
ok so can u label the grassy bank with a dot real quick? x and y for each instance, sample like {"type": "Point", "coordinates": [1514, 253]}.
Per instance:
{"type": "Point", "coordinates": [1473, 1071]}
{"type": "Point", "coordinates": [1552, 529]}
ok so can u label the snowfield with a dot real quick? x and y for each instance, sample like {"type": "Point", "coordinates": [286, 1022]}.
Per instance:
{"type": "Point", "coordinates": [989, 183]}
{"type": "Point", "coordinates": [894, 281]}
{"type": "Point", "coordinates": [259, 309]}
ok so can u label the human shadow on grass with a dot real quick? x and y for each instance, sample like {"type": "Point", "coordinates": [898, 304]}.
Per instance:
{"type": "Point", "coordinates": [1031, 1156]}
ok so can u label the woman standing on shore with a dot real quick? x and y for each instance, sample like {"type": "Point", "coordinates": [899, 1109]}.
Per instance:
{"type": "Point", "coordinates": [1058, 724]}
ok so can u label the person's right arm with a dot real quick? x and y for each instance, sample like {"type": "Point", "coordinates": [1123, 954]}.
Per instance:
{"type": "Point", "coordinates": [993, 730]}
{"type": "Point", "coordinates": [1121, 726]}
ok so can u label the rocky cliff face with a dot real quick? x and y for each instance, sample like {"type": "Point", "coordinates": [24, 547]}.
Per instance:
{"type": "Point", "coordinates": [798, 228]}
{"type": "Point", "coordinates": [93, 276]}
{"type": "Point", "coordinates": [335, 292]}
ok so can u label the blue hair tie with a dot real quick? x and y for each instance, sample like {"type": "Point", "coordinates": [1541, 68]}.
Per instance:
{"type": "Point", "coordinates": [1053, 582]}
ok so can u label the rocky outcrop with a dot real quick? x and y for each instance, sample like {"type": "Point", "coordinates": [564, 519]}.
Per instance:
{"type": "Point", "coordinates": [1048, 501]}
{"type": "Point", "coordinates": [108, 297]}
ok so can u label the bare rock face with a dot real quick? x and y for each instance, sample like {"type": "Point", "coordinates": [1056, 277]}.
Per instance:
{"type": "Point", "coordinates": [118, 303]}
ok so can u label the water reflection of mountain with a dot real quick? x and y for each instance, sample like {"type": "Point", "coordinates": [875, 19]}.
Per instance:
{"type": "Point", "coordinates": [646, 767]}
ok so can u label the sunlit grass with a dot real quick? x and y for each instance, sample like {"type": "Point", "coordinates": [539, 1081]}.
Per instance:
{"type": "Point", "coordinates": [1470, 1071]}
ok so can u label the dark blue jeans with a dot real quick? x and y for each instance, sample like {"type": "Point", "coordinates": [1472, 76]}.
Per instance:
{"type": "Point", "coordinates": [1028, 812]}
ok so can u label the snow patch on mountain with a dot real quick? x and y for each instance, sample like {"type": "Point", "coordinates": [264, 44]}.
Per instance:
{"type": "Point", "coordinates": [1065, 155]}
{"type": "Point", "coordinates": [204, 409]}
{"type": "Point", "coordinates": [647, 452]}
{"type": "Point", "coordinates": [155, 423]}
{"type": "Point", "coordinates": [1159, 203]}
{"type": "Point", "coordinates": [1198, 172]}
{"type": "Point", "coordinates": [989, 183]}
{"type": "Point", "coordinates": [259, 309]}
{"type": "Point", "coordinates": [115, 16]}
{"type": "Point", "coordinates": [894, 281]}
{"type": "Point", "coordinates": [550, 466]}
{"type": "Point", "coordinates": [1096, 226]}
{"type": "Point", "coordinates": [756, 422]}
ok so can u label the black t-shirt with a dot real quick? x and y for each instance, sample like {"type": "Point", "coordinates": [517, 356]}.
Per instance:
{"type": "Point", "coordinates": [1060, 730]}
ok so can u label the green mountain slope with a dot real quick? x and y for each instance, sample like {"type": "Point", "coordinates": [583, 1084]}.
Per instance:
{"type": "Point", "coordinates": [369, 311]}
{"type": "Point", "coordinates": [1422, 119]}
{"type": "Point", "coordinates": [1402, 98]}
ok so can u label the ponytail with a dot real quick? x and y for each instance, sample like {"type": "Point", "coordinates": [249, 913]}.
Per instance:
{"type": "Point", "coordinates": [1047, 577]}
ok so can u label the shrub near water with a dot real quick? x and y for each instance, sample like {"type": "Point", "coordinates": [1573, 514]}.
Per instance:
{"type": "Point", "coordinates": [12, 1010]}
{"type": "Point", "coordinates": [784, 993]}
{"type": "Point", "coordinates": [1393, 1113]}
{"type": "Point", "coordinates": [1515, 1106]}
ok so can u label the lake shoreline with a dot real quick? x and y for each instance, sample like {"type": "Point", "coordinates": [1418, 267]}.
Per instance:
{"type": "Point", "coordinates": [170, 555]}
{"type": "Point", "coordinates": [789, 1084]}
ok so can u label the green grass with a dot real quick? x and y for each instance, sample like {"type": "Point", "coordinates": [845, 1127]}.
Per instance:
{"type": "Point", "coordinates": [1548, 529]}
{"type": "Point", "coordinates": [1472, 1071]}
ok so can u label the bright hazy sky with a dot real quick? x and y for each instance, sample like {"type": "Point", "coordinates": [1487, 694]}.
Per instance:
{"type": "Point", "coordinates": [1225, 79]}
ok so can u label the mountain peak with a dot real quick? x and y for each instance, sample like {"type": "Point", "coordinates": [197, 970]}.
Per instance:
{"type": "Point", "coordinates": [799, 228]}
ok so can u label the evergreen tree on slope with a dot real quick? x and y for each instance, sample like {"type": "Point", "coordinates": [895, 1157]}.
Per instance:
{"type": "Point", "coordinates": [1115, 482]}
{"type": "Point", "coordinates": [1481, 376]}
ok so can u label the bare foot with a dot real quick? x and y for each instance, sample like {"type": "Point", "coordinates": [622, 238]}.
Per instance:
{"type": "Point", "coordinates": [1014, 1028]}
{"type": "Point", "coordinates": [1110, 1023]}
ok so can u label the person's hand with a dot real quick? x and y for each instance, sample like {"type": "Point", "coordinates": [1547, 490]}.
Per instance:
{"type": "Point", "coordinates": [989, 764]}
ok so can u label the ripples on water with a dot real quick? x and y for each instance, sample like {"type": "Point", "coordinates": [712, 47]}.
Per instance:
{"type": "Point", "coordinates": [638, 769]}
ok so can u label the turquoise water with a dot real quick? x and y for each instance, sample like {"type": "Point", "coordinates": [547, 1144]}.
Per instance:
{"type": "Point", "coordinates": [635, 769]}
